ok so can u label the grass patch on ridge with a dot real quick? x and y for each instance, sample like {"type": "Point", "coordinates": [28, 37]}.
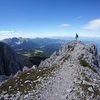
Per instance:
{"type": "Point", "coordinates": [85, 64]}
{"type": "Point", "coordinates": [27, 80]}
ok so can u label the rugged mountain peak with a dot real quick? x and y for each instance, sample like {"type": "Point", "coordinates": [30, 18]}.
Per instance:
{"type": "Point", "coordinates": [70, 74]}
{"type": "Point", "coordinates": [20, 44]}
{"type": "Point", "coordinates": [78, 75]}
{"type": "Point", "coordinates": [10, 63]}
{"type": "Point", "coordinates": [74, 50]}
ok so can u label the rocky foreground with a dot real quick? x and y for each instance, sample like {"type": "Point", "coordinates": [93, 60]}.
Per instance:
{"type": "Point", "coordinates": [73, 73]}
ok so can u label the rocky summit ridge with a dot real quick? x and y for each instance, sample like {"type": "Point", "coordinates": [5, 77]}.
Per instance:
{"type": "Point", "coordinates": [73, 73]}
{"type": "Point", "coordinates": [73, 50]}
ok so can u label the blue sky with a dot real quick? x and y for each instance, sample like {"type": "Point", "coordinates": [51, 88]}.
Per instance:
{"type": "Point", "coordinates": [47, 18]}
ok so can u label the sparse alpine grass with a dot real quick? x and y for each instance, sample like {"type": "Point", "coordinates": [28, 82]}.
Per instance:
{"type": "Point", "coordinates": [27, 80]}
{"type": "Point", "coordinates": [66, 58]}
{"type": "Point", "coordinates": [85, 64]}
{"type": "Point", "coordinates": [89, 93]}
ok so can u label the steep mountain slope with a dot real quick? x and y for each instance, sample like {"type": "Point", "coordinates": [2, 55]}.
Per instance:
{"type": "Point", "coordinates": [10, 63]}
{"type": "Point", "coordinates": [73, 73]}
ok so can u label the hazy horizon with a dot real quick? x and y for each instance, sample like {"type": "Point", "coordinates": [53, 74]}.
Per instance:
{"type": "Point", "coordinates": [59, 37]}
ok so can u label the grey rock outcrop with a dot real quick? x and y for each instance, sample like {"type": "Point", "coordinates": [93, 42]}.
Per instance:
{"type": "Point", "coordinates": [74, 50]}
{"type": "Point", "coordinates": [77, 78]}
{"type": "Point", "coordinates": [10, 63]}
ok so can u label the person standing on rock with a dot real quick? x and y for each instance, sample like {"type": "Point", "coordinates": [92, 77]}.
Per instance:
{"type": "Point", "coordinates": [76, 37]}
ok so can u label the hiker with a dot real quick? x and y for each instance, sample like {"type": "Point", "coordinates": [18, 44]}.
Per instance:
{"type": "Point", "coordinates": [76, 36]}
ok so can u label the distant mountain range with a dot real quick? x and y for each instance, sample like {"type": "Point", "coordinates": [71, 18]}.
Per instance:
{"type": "Point", "coordinates": [38, 49]}
{"type": "Point", "coordinates": [21, 44]}
{"type": "Point", "coordinates": [26, 44]}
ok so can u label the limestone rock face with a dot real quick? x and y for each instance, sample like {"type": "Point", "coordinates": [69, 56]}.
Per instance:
{"type": "Point", "coordinates": [10, 63]}
{"type": "Point", "coordinates": [73, 50]}
{"type": "Point", "coordinates": [77, 78]}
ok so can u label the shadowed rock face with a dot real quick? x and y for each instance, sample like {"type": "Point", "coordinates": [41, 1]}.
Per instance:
{"type": "Point", "coordinates": [10, 63]}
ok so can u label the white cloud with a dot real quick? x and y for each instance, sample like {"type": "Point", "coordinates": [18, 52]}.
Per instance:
{"type": "Point", "coordinates": [6, 32]}
{"type": "Point", "coordinates": [10, 34]}
{"type": "Point", "coordinates": [79, 17]}
{"type": "Point", "coordinates": [20, 31]}
{"type": "Point", "coordinates": [92, 25]}
{"type": "Point", "coordinates": [64, 25]}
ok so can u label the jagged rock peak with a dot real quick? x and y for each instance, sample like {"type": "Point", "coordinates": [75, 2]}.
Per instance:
{"type": "Point", "coordinates": [10, 63]}
{"type": "Point", "coordinates": [74, 50]}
